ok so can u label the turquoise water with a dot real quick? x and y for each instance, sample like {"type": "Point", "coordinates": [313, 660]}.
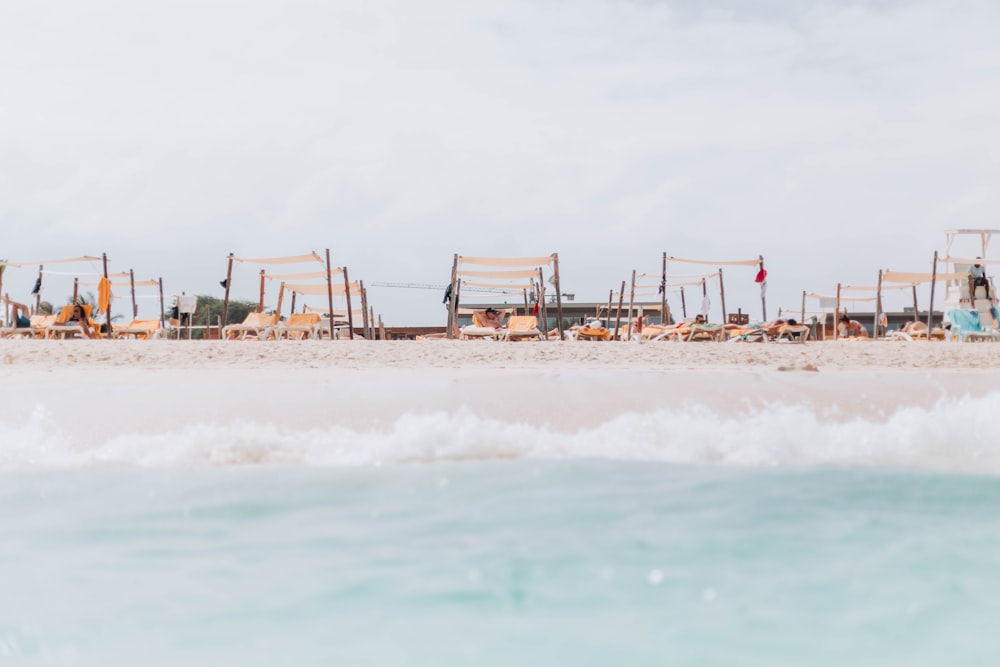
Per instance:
{"type": "Point", "coordinates": [499, 563]}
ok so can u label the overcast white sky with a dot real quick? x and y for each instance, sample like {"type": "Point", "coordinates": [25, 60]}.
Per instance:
{"type": "Point", "coordinates": [834, 138]}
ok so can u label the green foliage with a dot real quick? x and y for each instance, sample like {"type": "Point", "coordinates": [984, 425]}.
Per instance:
{"type": "Point", "coordinates": [46, 308]}
{"type": "Point", "coordinates": [210, 311]}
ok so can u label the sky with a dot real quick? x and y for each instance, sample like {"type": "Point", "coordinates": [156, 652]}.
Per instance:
{"type": "Point", "coordinates": [833, 138]}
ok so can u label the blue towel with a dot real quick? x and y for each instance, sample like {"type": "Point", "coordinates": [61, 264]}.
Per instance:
{"type": "Point", "coordinates": [965, 320]}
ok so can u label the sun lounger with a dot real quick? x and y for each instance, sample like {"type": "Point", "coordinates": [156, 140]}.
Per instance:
{"type": "Point", "coordinates": [793, 332]}
{"type": "Point", "coordinates": [969, 328]}
{"type": "Point", "coordinates": [62, 327]}
{"type": "Point", "coordinates": [712, 332]}
{"type": "Point", "coordinates": [256, 325]}
{"type": "Point", "coordinates": [521, 327]}
{"type": "Point", "coordinates": [140, 329]}
{"type": "Point", "coordinates": [298, 326]}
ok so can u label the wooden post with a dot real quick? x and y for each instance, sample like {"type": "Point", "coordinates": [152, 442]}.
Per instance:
{"type": "Point", "coordinates": [802, 321]}
{"type": "Point", "coordinates": [611, 296]}
{"type": "Point", "coordinates": [371, 321]}
{"type": "Point", "coordinates": [930, 311]}
{"type": "Point", "coordinates": [618, 319]}
{"type": "Point", "coordinates": [225, 299]}
{"type": "Point", "coordinates": [763, 298]}
{"type": "Point", "coordinates": [38, 295]}
{"type": "Point", "coordinates": [722, 295]}
{"type": "Point", "coordinates": [453, 301]}
{"type": "Point", "coordinates": [878, 305]}
{"type": "Point", "coordinates": [364, 310]}
{"type": "Point", "coordinates": [260, 306]}
{"type": "Point", "coordinates": [350, 314]}
{"type": "Point", "coordinates": [163, 311]}
{"type": "Point", "coordinates": [381, 327]}
{"type": "Point", "coordinates": [704, 293]}
{"type": "Point", "coordinates": [107, 313]}
{"type": "Point", "coordinates": [664, 311]}
{"type": "Point", "coordinates": [836, 316]}
{"type": "Point", "coordinates": [293, 301]}
{"type": "Point", "coordinates": [559, 313]}
{"type": "Point", "coordinates": [76, 290]}
{"type": "Point", "coordinates": [281, 297]}
{"type": "Point", "coordinates": [915, 315]}
{"type": "Point", "coordinates": [631, 303]}
{"type": "Point", "coordinates": [131, 281]}
{"type": "Point", "coordinates": [329, 292]}
{"type": "Point", "coordinates": [684, 308]}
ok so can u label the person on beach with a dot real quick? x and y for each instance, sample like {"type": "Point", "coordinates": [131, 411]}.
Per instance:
{"type": "Point", "coordinates": [977, 278]}
{"type": "Point", "coordinates": [19, 314]}
{"type": "Point", "coordinates": [849, 327]}
{"type": "Point", "coordinates": [491, 318]}
{"type": "Point", "coordinates": [79, 317]}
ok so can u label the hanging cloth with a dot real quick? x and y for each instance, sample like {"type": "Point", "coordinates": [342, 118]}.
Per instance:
{"type": "Point", "coordinates": [104, 294]}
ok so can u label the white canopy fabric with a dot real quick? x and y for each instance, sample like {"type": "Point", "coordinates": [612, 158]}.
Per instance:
{"type": "Point", "coordinates": [918, 278]}
{"type": "Point", "coordinates": [85, 258]}
{"type": "Point", "coordinates": [304, 276]}
{"type": "Point", "coordinates": [507, 261]}
{"type": "Point", "coordinates": [499, 286]}
{"type": "Point", "coordinates": [524, 273]}
{"type": "Point", "coordinates": [960, 260]}
{"type": "Point", "coordinates": [297, 259]}
{"type": "Point", "coordinates": [338, 289]}
{"type": "Point", "coordinates": [743, 262]}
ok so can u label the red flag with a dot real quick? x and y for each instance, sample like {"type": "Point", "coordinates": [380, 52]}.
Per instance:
{"type": "Point", "coordinates": [534, 310]}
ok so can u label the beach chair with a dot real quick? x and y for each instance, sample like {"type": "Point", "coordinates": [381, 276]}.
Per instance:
{"type": "Point", "coordinates": [139, 329]}
{"type": "Point", "coordinates": [61, 327]}
{"type": "Point", "coordinates": [256, 326]}
{"type": "Point", "coordinates": [793, 333]}
{"type": "Point", "coordinates": [521, 327]}
{"type": "Point", "coordinates": [298, 326]}
{"type": "Point", "coordinates": [969, 328]}
{"type": "Point", "coordinates": [700, 332]}
{"type": "Point", "coordinates": [596, 333]}
{"type": "Point", "coordinates": [478, 329]}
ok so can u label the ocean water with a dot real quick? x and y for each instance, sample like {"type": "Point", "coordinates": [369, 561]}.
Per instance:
{"type": "Point", "coordinates": [446, 539]}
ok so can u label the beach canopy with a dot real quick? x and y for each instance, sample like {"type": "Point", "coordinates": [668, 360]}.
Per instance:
{"type": "Point", "coordinates": [503, 275]}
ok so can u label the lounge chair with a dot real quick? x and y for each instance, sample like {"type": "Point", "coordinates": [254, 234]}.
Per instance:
{"type": "Point", "coordinates": [141, 329]}
{"type": "Point", "coordinates": [793, 332]}
{"type": "Point", "coordinates": [62, 327]}
{"type": "Point", "coordinates": [521, 327]}
{"type": "Point", "coordinates": [968, 325]}
{"type": "Point", "coordinates": [595, 333]}
{"type": "Point", "coordinates": [298, 326]}
{"type": "Point", "coordinates": [713, 332]}
{"type": "Point", "coordinates": [479, 329]}
{"type": "Point", "coordinates": [256, 325]}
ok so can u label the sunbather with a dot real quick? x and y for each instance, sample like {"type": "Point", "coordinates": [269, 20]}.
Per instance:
{"type": "Point", "coordinates": [849, 327]}
{"type": "Point", "coordinates": [491, 318]}
{"type": "Point", "coordinates": [19, 316]}
{"type": "Point", "coordinates": [79, 318]}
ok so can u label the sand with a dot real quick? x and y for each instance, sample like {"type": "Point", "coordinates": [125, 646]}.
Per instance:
{"type": "Point", "coordinates": [562, 385]}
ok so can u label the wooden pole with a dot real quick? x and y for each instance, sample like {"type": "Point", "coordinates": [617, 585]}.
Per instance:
{"type": "Point", "coordinates": [163, 310]}
{"type": "Point", "coordinates": [131, 281]}
{"type": "Point", "coordinates": [559, 311]}
{"type": "Point", "coordinates": [281, 298]}
{"type": "Point", "coordinates": [371, 321]}
{"type": "Point", "coordinates": [664, 311]}
{"type": "Point", "coordinates": [611, 296]}
{"type": "Point", "coordinates": [38, 295]}
{"type": "Point", "coordinates": [684, 308]}
{"type": "Point", "coordinates": [878, 305]}
{"type": "Point", "coordinates": [525, 291]}
{"type": "Point", "coordinates": [329, 293]}
{"type": "Point", "coordinates": [381, 327]}
{"type": "Point", "coordinates": [763, 298]}
{"type": "Point", "coordinates": [544, 310]}
{"type": "Point", "coordinates": [836, 316]}
{"type": "Point", "coordinates": [916, 316]}
{"type": "Point", "coordinates": [350, 314]}
{"type": "Point", "coordinates": [76, 290]}
{"type": "Point", "coordinates": [618, 319]}
{"type": "Point", "coordinates": [225, 299]}
{"type": "Point", "coordinates": [107, 313]}
{"type": "Point", "coordinates": [453, 302]}
{"type": "Point", "coordinates": [364, 310]}
{"type": "Point", "coordinates": [260, 306]}
{"type": "Point", "coordinates": [293, 300]}
{"type": "Point", "coordinates": [722, 295]}
{"type": "Point", "coordinates": [930, 311]}
{"type": "Point", "coordinates": [631, 303]}
{"type": "Point", "coordinates": [802, 321]}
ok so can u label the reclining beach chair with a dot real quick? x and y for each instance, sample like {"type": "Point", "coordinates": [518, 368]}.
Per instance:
{"type": "Point", "coordinates": [712, 332]}
{"type": "Point", "coordinates": [521, 327]}
{"type": "Point", "coordinates": [793, 332]}
{"type": "Point", "coordinates": [478, 329]}
{"type": "Point", "coordinates": [139, 329]}
{"type": "Point", "coordinates": [61, 327]}
{"type": "Point", "coordinates": [256, 325]}
{"type": "Point", "coordinates": [298, 326]}
{"type": "Point", "coordinates": [969, 328]}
